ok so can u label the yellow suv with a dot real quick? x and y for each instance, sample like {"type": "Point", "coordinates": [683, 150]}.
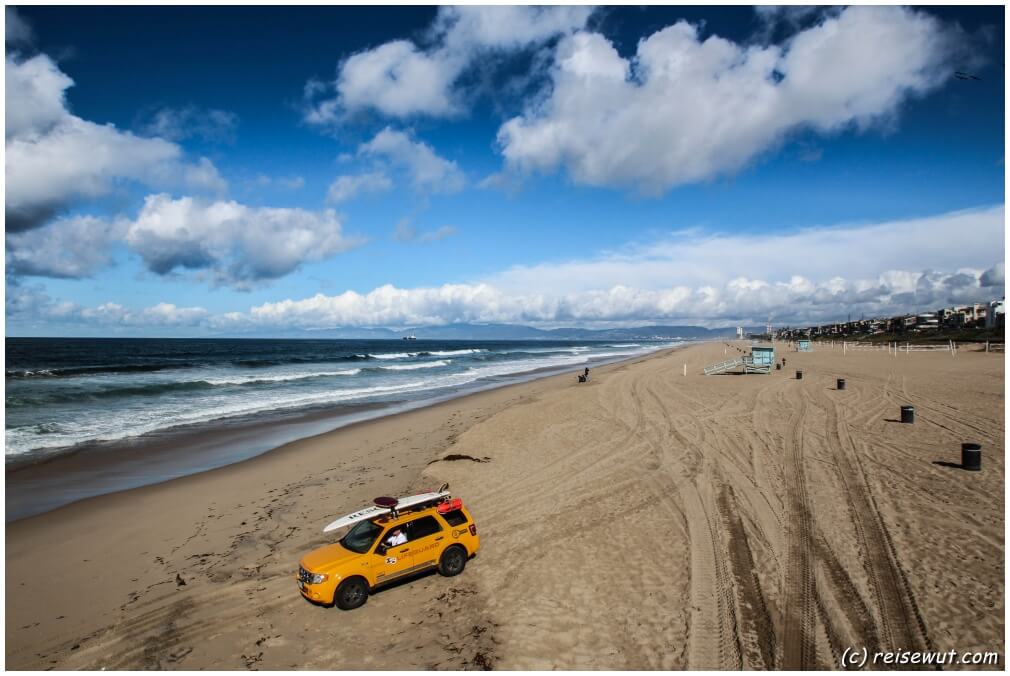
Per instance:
{"type": "Point", "coordinates": [386, 548]}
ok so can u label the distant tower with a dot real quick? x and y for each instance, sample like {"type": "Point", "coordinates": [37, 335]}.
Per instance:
{"type": "Point", "coordinates": [739, 332]}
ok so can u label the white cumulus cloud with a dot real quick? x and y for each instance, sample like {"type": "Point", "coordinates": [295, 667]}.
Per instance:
{"type": "Point", "coordinates": [686, 108]}
{"type": "Point", "coordinates": [240, 244]}
{"type": "Point", "coordinates": [72, 247]}
{"type": "Point", "coordinates": [54, 158]}
{"type": "Point", "coordinates": [398, 79]}
{"type": "Point", "coordinates": [427, 170]}
{"type": "Point", "coordinates": [401, 78]}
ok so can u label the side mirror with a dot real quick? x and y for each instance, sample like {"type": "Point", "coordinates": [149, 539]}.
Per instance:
{"type": "Point", "coordinates": [381, 550]}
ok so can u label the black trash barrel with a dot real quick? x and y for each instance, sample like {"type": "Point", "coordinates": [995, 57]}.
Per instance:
{"type": "Point", "coordinates": [971, 457]}
{"type": "Point", "coordinates": [799, 375]}
{"type": "Point", "coordinates": [908, 414]}
{"type": "Point", "coordinates": [778, 367]}
{"type": "Point", "coordinates": [840, 384]}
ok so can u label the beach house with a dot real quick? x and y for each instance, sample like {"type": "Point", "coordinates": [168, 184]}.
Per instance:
{"type": "Point", "coordinates": [926, 321]}
{"type": "Point", "coordinates": [970, 316]}
{"type": "Point", "coordinates": [994, 316]}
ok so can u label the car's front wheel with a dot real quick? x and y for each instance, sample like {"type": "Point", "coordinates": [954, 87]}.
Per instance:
{"type": "Point", "coordinates": [352, 593]}
{"type": "Point", "coordinates": [453, 561]}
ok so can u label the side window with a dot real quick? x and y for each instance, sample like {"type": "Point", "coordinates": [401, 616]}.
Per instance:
{"type": "Point", "coordinates": [423, 527]}
{"type": "Point", "coordinates": [395, 536]}
{"type": "Point", "coordinates": [455, 518]}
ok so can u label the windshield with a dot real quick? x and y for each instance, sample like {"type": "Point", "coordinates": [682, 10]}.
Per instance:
{"type": "Point", "coordinates": [361, 537]}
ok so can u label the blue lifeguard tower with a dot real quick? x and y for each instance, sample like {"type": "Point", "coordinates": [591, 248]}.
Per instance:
{"type": "Point", "coordinates": [760, 360]}
{"type": "Point", "coordinates": [803, 345]}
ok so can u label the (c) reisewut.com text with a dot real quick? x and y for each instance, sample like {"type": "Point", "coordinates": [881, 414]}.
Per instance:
{"type": "Point", "coordinates": [862, 657]}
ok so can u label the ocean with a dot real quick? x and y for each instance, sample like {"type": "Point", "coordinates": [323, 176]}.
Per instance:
{"type": "Point", "coordinates": [73, 395]}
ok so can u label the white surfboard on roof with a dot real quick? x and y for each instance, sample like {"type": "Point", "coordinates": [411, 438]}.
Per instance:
{"type": "Point", "coordinates": [375, 510]}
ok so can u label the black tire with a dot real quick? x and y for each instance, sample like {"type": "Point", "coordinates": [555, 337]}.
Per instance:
{"type": "Point", "coordinates": [352, 593]}
{"type": "Point", "coordinates": [453, 561]}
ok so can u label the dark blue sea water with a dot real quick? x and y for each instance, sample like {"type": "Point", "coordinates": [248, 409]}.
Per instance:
{"type": "Point", "coordinates": [63, 394]}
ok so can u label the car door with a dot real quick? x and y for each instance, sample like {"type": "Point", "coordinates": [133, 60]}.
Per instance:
{"type": "Point", "coordinates": [426, 540]}
{"type": "Point", "coordinates": [391, 562]}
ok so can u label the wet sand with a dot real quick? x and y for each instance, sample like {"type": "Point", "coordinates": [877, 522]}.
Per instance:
{"type": "Point", "coordinates": [39, 484]}
{"type": "Point", "coordinates": [642, 520]}
{"type": "Point", "coordinates": [35, 487]}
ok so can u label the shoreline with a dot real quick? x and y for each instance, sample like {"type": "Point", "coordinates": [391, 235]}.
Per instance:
{"type": "Point", "coordinates": [69, 476]}
{"type": "Point", "coordinates": [99, 469]}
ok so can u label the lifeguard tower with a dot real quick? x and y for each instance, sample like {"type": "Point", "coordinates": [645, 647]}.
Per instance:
{"type": "Point", "coordinates": [760, 360]}
{"type": "Point", "coordinates": [803, 345]}
{"type": "Point", "coordinates": [762, 357]}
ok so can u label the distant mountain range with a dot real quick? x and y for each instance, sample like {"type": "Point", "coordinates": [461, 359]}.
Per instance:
{"type": "Point", "coordinates": [517, 332]}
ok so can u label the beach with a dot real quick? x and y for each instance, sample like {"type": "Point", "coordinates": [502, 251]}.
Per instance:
{"type": "Point", "coordinates": [643, 520]}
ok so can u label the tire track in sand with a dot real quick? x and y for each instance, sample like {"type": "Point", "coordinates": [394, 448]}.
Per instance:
{"type": "Point", "coordinates": [712, 634]}
{"type": "Point", "coordinates": [798, 647]}
{"type": "Point", "coordinates": [852, 620]}
{"type": "Point", "coordinates": [756, 629]}
{"type": "Point", "coordinates": [901, 623]}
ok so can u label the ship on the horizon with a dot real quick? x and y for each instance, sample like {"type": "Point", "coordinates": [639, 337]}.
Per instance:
{"type": "Point", "coordinates": [410, 337]}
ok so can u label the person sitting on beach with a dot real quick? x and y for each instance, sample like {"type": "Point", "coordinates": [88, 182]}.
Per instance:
{"type": "Point", "coordinates": [397, 537]}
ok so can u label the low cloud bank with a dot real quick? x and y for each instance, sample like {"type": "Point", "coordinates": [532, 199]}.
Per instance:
{"type": "Point", "coordinates": [807, 276]}
{"type": "Point", "coordinates": [796, 301]}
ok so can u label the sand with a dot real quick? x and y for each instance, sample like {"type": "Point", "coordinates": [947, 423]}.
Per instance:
{"type": "Point", "coordinates": [643, 520]}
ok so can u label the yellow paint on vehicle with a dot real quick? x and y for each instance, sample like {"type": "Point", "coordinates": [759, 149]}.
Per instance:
{"type": "Point", "coordinates": [339, 563]}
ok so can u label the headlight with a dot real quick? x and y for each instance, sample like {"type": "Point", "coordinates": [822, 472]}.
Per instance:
{"type": "Point", "coordinates": [317, 578]}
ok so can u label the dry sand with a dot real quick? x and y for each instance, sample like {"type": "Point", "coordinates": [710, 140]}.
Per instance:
{"type": "Point", "coordinates": [643, 520]}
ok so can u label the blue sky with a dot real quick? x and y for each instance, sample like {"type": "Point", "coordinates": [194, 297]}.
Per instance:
{"type": "Point", "coordinates": [249, 170]}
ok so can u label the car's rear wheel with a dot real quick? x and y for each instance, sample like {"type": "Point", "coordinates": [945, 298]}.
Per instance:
{"type": "Point", "coordinates": [351, 594]}
{"type": "Point", "coordinates": [453, 561]}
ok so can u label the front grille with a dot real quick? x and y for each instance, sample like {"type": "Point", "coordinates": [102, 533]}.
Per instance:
{"type": "Point", "coordinates": [304, 575]}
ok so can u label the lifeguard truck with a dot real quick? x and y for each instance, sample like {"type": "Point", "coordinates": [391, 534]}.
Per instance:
{"type": "Point", "coordinates": [389, 541]}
